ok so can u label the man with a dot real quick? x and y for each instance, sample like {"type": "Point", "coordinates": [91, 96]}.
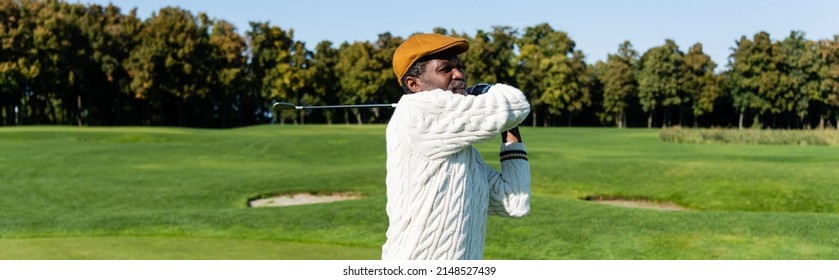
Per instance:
{"type": "Point", "coordinates": [439, 189]}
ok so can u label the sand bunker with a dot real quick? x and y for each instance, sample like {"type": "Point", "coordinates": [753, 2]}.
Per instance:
{"type": "Point", "coordinates": [300, 199]}
{"type": "Point", "coordinates": [637, 203]}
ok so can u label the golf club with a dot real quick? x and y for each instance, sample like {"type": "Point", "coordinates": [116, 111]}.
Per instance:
{"type": "Point", "coordinates": [476, 89]}
{"type": "Point", "coordinates": [279, 106]}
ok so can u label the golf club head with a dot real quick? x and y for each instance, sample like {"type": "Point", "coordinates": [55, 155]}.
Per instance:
{"type": "Point", "coordinates": [279, 106]}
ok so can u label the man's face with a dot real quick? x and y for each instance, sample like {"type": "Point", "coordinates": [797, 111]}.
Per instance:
{"type": "Point", "coordinates": [442, 73]}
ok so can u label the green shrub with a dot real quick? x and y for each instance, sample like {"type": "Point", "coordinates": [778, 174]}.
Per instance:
{"type": "Point", "coordinates": [750, 136]}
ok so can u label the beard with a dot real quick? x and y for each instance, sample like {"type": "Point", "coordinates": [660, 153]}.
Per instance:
{"type": "Point", "coordinates": [458, 86]}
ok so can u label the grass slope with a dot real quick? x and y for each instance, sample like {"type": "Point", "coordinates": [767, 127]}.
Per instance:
{"type": "Point", "coordinates": [174, 193]}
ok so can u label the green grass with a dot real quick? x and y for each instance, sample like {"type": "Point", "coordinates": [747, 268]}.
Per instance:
{"type": "Point", "coordinates": [174, 248]}
{"type": "Point", "coordinates": [174, 193]}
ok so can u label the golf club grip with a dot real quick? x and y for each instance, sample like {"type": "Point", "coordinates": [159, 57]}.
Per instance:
{"type": "Point", "coordinates": [478, 89]}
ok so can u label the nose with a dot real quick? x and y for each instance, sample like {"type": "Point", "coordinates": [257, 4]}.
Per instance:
{"type": "Point", "coordinates": [457, 73]}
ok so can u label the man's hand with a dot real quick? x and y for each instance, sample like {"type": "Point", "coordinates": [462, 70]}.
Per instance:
{"type": "Point", "coordinates": [511, 136]}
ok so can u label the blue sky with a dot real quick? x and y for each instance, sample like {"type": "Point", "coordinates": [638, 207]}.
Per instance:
{"type": "Point", "coordinates": [597, 26]}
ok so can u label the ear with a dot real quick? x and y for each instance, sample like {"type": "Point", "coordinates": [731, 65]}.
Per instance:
{"type": "Point", "coordinates": [414, 84]}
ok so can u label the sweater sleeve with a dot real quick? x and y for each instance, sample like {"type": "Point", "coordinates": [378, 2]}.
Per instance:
{"type": "Point", "coordinates": [440, 123]}
{"type": "Point", "coordinates": [509, 191]}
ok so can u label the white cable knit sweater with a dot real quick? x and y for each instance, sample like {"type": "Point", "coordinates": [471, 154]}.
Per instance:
{"type": "Point", "coordinates": [439, 189]}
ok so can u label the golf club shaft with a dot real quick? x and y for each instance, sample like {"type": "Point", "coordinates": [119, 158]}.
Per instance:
{"type": "Point", "coordinates": [344, 106]}
{"type": "Point", "coordinates": [279, 106]}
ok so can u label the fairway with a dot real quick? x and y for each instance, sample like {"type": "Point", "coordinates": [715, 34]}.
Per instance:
{"type": "Point", "coordinates": [177, 193]}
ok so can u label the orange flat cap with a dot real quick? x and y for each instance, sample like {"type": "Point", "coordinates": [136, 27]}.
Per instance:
{"type": "Point", "coordinates": [420, 45]}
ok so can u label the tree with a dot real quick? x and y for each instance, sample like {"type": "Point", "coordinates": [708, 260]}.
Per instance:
{"type": "Point", "coordinates": [325, 86]}
{"type": "Point", "coordinates": [619, 84]}
{"type": "Point", "coordinates": [110, 36]}
{"type": "Point", "coordinates": [659, 81]}
{"type": "Point", "coordinates": [365, 72]}
{"type": "Point", "coordinates": [800, 79]}
{"type": "Point", "coordinates": [227, 79]}
{"type": "Point", "coordinates": [51, 63]}
{"type": "Point", "coordinates": [527, 71]}
{"type": "Point", "coordinates": [553, 74]}
{"type": "Point", "coordinates": [298, 86]}
{"type": "Point", "coordinates": [567, 85]}
{"type": "Point", "coordinates": [168, 67]}
{"type": "Point", "coordinates": [490, 56]}
{"type": "Point", "coordinates": [356, 74]}
{"type": "Point", "coordinates": [14, 69]}
{"type": "Point", "coordinates": [389, 90]}
{"type": "Point", "coordinates": [69, 63]}
{"type": "Point", "coordinates": [270, 66]}
{"type": "Point", "coordinates": [755, 73]}
{"type": "Point", "coordinates": [475, 66]}
{"type": "Point", "coordinates": [80, 89]}
{"type": "Point", "coordinates": [701, 85]}
{"type": "Point", "coordinates": [66, 60]}
{"type": "Point", "coordinates": [827, 68]}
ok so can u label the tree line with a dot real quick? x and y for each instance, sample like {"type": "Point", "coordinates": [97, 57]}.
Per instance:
{"type": "Point", "coordinates": [69, 63]}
